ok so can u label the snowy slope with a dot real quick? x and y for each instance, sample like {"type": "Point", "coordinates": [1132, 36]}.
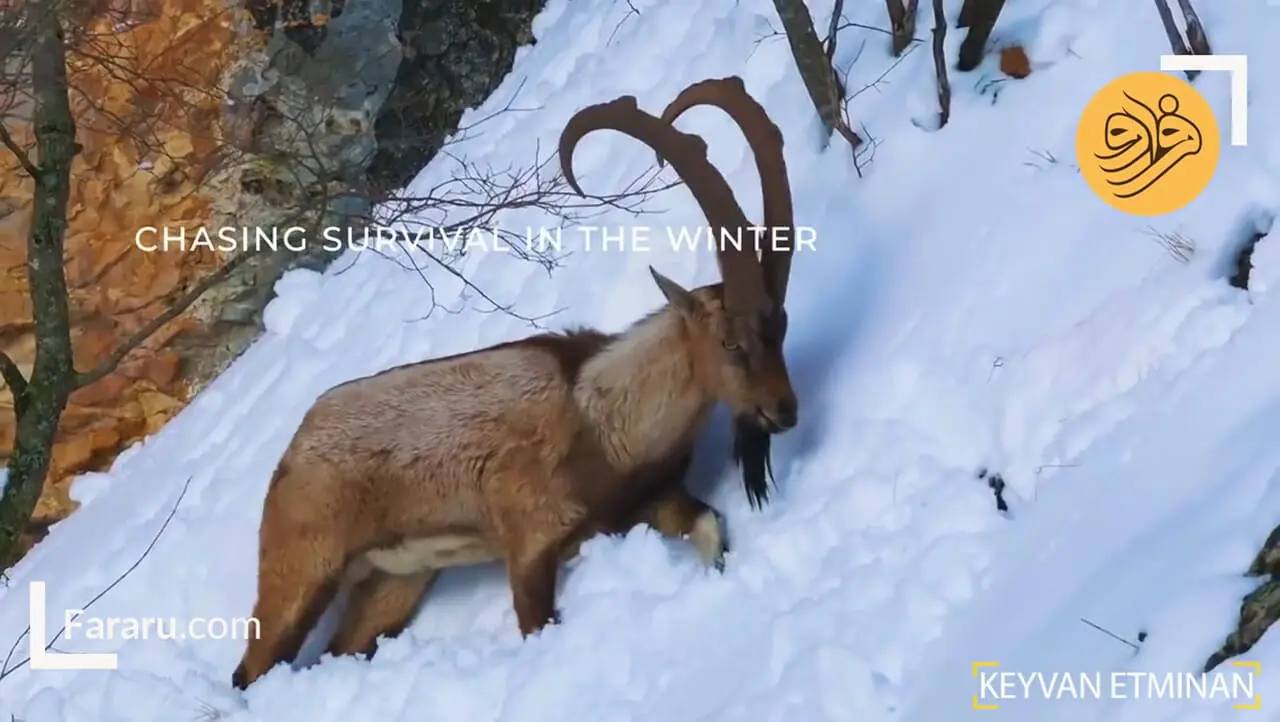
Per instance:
{"type": "Point", "coordinates": [969, 304]}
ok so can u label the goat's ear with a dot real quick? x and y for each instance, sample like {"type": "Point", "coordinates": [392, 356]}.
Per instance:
{"type": "Point", "coordinates": [677, 295]}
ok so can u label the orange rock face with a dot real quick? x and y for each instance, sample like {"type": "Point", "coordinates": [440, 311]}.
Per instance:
{"type": "Point", "coordinates": [148, 121]}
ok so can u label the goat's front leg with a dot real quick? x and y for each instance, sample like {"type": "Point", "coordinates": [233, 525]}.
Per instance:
{"type": "Point", "coordinates": [535, 537]}
{"type": "Point", "coordinates": [676, 513]}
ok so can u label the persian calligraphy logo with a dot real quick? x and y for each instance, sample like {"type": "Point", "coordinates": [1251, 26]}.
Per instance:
{"type": "Point", "coordinates": [1148, 143]}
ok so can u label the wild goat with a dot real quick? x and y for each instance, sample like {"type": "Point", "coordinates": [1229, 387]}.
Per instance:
{"type": "Point", "coordinates": [521, 451]}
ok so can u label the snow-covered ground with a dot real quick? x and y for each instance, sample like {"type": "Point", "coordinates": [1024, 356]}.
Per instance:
{"type": "Point", "coordinates": [969, 304]}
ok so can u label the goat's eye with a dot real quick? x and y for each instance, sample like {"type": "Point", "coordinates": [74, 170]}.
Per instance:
{"type": "Point", "coordinates": [730, 345]}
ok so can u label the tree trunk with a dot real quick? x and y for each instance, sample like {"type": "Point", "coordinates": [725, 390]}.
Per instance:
{"type": "Point", "coordinates": [816, 71]}
{"type": "Point", "coordinates": [40, 402]}
{"type": "Point", "coordinates": [982, 20]}
{"type": "Point", "coordinates": [902, 23]}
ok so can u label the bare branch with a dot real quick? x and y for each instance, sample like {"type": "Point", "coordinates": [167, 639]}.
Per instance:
{"type": "Point", "coordinates": [872, 28]}
{"type": "Point", "coordinates": [15, 380]}
{"type": "Point", "coordinates": [881, 79]}
{"type": "Point", "coordinates": [833, 30]}
{"type": "Point", "coordinates": [23, 159]}
{"type": "Point", "coordinates": [6, 669]}
{"type": "Point", "coordinates": [177, 308]}
{"type": "Point", "coordinates": [631, 10]}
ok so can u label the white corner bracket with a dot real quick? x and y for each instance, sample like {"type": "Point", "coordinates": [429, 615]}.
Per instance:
{"type": "Point", "coordinates": [38, 641]}
{"type": "Point", "coordinates": [1238, 67]}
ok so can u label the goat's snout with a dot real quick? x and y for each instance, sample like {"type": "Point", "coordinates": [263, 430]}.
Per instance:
{"type": "Point", "coordinates": [783, 416]}
{"type": "Point", "coordinates": [787, 412]}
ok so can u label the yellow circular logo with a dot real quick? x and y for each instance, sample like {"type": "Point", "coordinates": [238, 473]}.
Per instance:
{"type": "Point", "coordinates": [1147, 143]}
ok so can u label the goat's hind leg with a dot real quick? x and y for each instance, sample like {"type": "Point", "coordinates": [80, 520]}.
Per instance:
{"type": "Point", "coordinates": [533, 570]}
{"type": "Point", "coordinates": [381, 604]}
{"type": "Point", "coordinates": [298, 577]}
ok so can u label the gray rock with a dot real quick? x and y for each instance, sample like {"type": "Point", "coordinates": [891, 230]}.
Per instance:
{"type": "Point", "coordinates": [330, 116]}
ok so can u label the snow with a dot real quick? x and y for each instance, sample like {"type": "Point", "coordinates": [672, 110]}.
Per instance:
{"type": "Point", "coordinates": [969, 304]}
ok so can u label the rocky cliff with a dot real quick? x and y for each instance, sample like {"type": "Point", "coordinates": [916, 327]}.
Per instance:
{"type": "Point", "coordinates": [193, 115]}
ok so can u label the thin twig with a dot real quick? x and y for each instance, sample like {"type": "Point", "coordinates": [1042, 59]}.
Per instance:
{"type": "Point", "coordinates": [177, 309]}
{"type": "Point", "coordinates": [833, 29]}
{"type": "Point", "coordinates": [6, 670]}
{"type": "Point", "coordinates": [1111, 634]}
{"type": "Point", "coordinates": [12, 375]}
{"type": "Point", "coordinates": [631, 10]}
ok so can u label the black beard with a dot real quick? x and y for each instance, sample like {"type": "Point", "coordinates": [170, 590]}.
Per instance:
{"type": "Point", "coordinates": [751, 446]}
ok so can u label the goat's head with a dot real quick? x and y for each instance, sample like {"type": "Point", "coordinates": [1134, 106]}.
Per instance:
{"type": "Point", "coordinates": [738, 348]}
{"type": "Point", "coordinates": [739, 331]}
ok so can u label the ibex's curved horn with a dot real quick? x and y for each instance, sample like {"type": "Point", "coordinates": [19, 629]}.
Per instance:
{"type": "Point", "coordinates": [730, 95]}
{"type": "Point", "coordinates": [744, 286]}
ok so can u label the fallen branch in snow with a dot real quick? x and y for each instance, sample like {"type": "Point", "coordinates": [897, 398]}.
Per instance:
{"type": "Point", "coordinates": [1048, 158]}
{"type": "Point", "coordinates": [9, 666]}
{"type": "Point", "coordinates": [631, 10]}
{"type": "Point", "coordinates": [881, 78]}
{"type": "Point", "coordinates": [1112, 634]}
{"type": "Point", "coordinates": [865, 154]}
{"type": "Point", "coordinates": [1175, 243]}
{"type": "Point", "coordinates": [940, 63]}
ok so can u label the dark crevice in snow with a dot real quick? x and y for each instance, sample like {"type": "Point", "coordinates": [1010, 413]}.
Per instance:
{"type": "Point", "coordinates": [1255, 226]}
